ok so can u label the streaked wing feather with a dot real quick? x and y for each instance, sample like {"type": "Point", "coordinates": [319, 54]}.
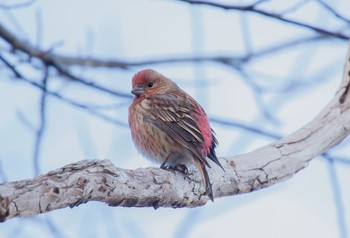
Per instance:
{"type": "Point", "coordinates": [174, 117]}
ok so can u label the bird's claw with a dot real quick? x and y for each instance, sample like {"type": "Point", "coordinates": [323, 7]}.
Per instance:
{"type": "Point", "coordinates": [179, 167]}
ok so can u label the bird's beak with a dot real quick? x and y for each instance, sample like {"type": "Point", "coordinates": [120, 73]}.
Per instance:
{"type": "Point", "coordinates": [137, 91]}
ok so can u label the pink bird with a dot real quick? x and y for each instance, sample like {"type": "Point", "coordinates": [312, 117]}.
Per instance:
{"type": "Point", "coordinates": [169, 127]}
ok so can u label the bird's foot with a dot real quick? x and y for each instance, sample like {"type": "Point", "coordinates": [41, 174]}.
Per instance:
{"type": "Point", "coordinates": [179, 167]}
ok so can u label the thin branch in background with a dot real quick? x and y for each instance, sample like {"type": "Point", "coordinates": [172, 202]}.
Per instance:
{"type": "Point", "coordinates": [55, 231]}
{"type": "Point", "coordinates": [66, 73]}
{"type": "Point", "coordinates": [11, 67]}
{"type": "Point", "coordinates": [17, 5]}
{"type": "Point", "coordinates": [246, 36]}
{"type": "Point", "coordinates": [84, 107]}
{"type": "Point", "coordinates": [107, 107]}
{"type": "Point", "coordinates": [227, 60]}
{"type": "Point", "coordinates": [15, 24]}
{"type": "Point", "coordinates": [337, 196]}
{"type": "Point", "coordinates": [188, 224]}
{"type": "Point", "coordinates": [259, 2]}
{"type": "Point", "coordinates": [43, 220]}
{"type": "Point", "coordinates": [295, 7]}
{"type": "Point", "coordinates": [59, 61]}
{"type": "Point", "coordinates": [50, 59]}
{"type": "Point", "coordinates": [42, 103]}
{"type": "Point", "coordinates": [236, 124]}
{"type": "Point", "coordinates": [24, 120]}
{"type": "Point", "coordinates": [275, 16]}
{"type": "Point", "coordinates": [39, 28]}
{"type": "Point", "coordinates": [258, 95]}
{"type": "Point", "coordinates": [291, 44]}
{"type": "Point", "coordinates": [259, 131]}
{"type": "Point", "coordinates": [42, 123]}
{"type": "Point", "coordinates": [341, 160]}
{"type": "Point", "coordinates": [292, 83]}
{"type": "Point", "coordinates": [19, 231]}
{"type": "Point", "coordinates": [3, 176]}
{"type": "Point", "coordinates": [333, 11]}
{"type": "Point", "coordinates": [61, 97]}
{"type": "Point", "coordinates": [76, 104]}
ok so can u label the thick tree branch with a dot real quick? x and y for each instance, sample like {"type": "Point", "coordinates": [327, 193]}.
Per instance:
{"type": "Point", "coordinates": [95, 180]}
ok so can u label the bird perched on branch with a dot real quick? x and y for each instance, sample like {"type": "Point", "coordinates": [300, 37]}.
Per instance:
{"type": "Point", "coordinates": [169, 127]}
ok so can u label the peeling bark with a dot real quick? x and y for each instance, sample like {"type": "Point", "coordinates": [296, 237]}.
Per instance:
{"type": "Point", "coordinates": [95, 180]}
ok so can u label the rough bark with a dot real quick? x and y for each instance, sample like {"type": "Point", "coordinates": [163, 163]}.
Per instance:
{"type": "Point", "coordinates": [95, 180]}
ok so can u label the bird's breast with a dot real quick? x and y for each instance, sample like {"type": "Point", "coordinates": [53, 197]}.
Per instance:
{"type": "Point", "coordinates": [149, 140]}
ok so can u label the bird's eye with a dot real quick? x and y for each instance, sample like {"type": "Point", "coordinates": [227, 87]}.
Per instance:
{"type": "Point", "coordinates": [150, 85]}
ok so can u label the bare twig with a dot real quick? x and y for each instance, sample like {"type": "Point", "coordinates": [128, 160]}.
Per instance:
{"type": "Point", "coordinates": [50, 59]}
{"type": "Point", "coordinates": [275, 16]}
{"type": "Point", "coordinates": [333, 11]}
{"type": "Point", "coordinates": [339, 160]}
{"type": "Point", "coordinates": [235, 124]}
{"type": "Point", "coordinates": [42, 123]}
{"type": "Point", "coordinates": [338, 202]}
{"type": "Point", "coordinates": [295, 7]}
{"type": "Point", "coordinates": [53, 228]}
{"type": "Point", "coordinates": [17, 5]}
{"type": "Point", "coordinates": [3, 176]}
{"type": "Point", "coordinates": [59, 61]}
{"type": "Point", "coordinates": [61, 97]}
{"type": "Point", "coordinates": [11, 67]}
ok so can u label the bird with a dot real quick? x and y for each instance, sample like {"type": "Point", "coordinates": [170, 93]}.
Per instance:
{"type": "Point", "coordinates": [169, 127]}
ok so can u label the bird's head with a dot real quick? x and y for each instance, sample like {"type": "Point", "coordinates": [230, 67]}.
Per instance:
{"type": "Point", "coordinates": [148, 81]}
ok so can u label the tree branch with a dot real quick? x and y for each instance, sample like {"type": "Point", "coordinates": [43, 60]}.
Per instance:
{"type": "Point", "coordinates": [17, 5]}
{"type": "Point", "coordinates": [252, 8]}
{"type": "Point", "coordinates": [96, 180]}
{"type": "Point", "coordinates": [50, 59]}
{"type": "Point", "coordinates": [58, 96]}
{"type": "Point", "coordinates": [60, 61]}
{"type": "Point", "coordinates": [42, 124]}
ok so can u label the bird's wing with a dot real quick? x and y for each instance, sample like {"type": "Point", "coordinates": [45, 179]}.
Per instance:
{"type": "Point", "coordinates": [175, 117]}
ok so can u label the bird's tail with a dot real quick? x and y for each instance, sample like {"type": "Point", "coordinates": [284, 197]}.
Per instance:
{"type": "Point", "coordinates": [205, 179]}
